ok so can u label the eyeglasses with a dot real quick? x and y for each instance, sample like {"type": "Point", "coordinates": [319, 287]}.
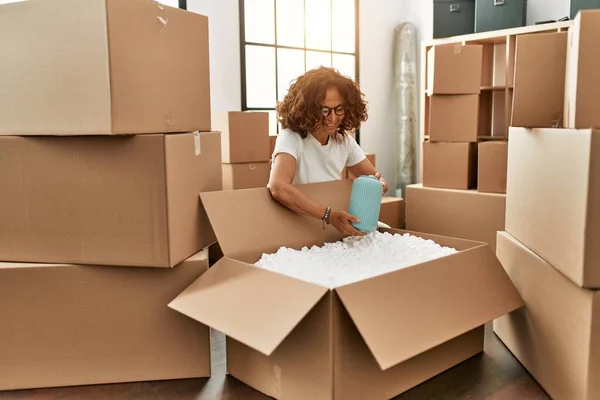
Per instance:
{"type": "Point", "coordinates": [339, 111]}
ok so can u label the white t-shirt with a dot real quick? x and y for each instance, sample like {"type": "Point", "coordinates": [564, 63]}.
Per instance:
{"type": "Point", "coordinates": [316, 162]}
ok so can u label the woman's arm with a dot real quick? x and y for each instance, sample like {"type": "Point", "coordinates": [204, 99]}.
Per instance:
{"type": "Point", "coordinates": [366, 168]}
{"type": "Point", "coordinates": [282, 190]}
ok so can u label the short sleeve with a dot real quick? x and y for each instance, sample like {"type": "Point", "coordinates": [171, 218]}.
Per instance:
{"type": "Point", "coordinates": [355, 153]}
{"type": "Point", "coordinates": [288, 142]}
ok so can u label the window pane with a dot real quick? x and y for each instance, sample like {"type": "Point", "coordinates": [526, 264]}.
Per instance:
{"type": "Point", "coordinates": [345, 64]}
{"type": "Point", "coordinates": [259, 21]}
{"type": "Point", "coordinates": [317, 58]}
{"type": "Point", "coordinates": [318, 24]}
{"type": "Point", "coordinates": [290, 23]}
{"type": "Point", "coordinates": [272, 123]}
{"type": "Point", "coordinates": [343, 26]}
{"type": "Point", "coordinates": [290, 65]}
{"type": "Point", "coordinates": [260, 76]}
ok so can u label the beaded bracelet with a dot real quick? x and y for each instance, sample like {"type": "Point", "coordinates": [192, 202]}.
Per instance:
{"type": "Point", "coordinates": [326, 216]}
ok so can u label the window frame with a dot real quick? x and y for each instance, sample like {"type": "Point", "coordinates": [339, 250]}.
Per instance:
{"type": "Point", "coordinates": [243, 43]}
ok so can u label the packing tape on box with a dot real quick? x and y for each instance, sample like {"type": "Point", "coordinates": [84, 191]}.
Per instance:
{"type": "Point", "coordinates": [169, 122]}
{"type": "Point", "coordinates": [197, 143]}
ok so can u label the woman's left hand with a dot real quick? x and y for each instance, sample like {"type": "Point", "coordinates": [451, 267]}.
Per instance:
{"type": "Point", "coordinates": [385, 186]}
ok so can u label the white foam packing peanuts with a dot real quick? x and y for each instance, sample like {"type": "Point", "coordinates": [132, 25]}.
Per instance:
{"type": "Point", "coordinates": [353, 259]}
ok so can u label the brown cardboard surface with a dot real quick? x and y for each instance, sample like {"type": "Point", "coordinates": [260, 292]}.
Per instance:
{"type": "Point", "coordinates": [97, 73]}
{"type": "Point", "coordinates": [491, 168]}
{"type": "Point", "coordinates": [283, 227]}
{"type": "Point", "coordinates": [538, 96]}
{"type": "Point", "coordinates": [245, 136]}
{"type": "Point", "coordinates": [450, 292]}
{"type": "Point", "coordinates": [250, 286]}
{"type": "Point", "coordinates": [454, 118]}
{"type": "Point", "coordinates": [450, 165]}
{"type": "Point", "coordinates": [454, 69]}
{"type": "Point", "coordinates": [582, 89]}
{"type": "Point", "coordinates": [556, 335]}
{"type": "Point", "coordinates": [259, 325]}
{"type": "Point", "coordinates": [79, 325]}
{"type": "Point", "coordinates": [272, 141]}
{"type": "Point", "coordinates": [466, 214]}
{"type": "Point", "coordinates": [392, 212]}
{"type": "Point", "coordinates": [246, 176]}
{"type": "Point", "coordinates": [552, 198]}
{"type": "Point", "coordinates": [125, 201]}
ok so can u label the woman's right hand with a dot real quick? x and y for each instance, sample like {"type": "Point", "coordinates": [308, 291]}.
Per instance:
{"type": "Point", "coordinates": [341, 221]}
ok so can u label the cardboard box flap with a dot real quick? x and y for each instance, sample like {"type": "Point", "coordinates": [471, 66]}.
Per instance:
{"type": "Point", "coordinates": [237, 215]}
{"type": "Point", "coordinates": [237, 299]}
{"type": "Point", "coordinates": [407, 312]}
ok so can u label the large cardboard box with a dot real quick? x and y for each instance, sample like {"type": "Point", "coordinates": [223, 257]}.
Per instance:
{"type": "Point", "coordinates": [454, 69]}
{"type": "Point", "coordinates": [539, 82]}
{"type": "Point", "coordinates": [246, 176]}
{"type": "Point", "coordinates": [552, 198]}
{"type": "Point", "coordinates": [351, 342]}
{"type": "Point", "coordinates": [491, 166]}
{"type": "Point", "coordinates": [454, 118]}
{"type": "Point", "coordinates": [66, 325]}
{"type": "Point", "coordinates": [105, 200]}
{"type": "Point", "coordinates": [450, 165]}
{"type": "Point", "coordinates": [392, 212]}
{"type": "Point", "coordinates": [556, 335]}
{"type": "Point", "coordinates": [73, 67]}
{"type": "Point", "coordinates": [466, 214]}
{"type": "Point", "coordinates": [245, 136]}
{"type": "Point", "coordinates": [582, 90]}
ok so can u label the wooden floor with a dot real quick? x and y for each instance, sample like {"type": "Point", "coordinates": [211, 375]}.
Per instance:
{"type": "Point", "coordinates": [492, 375]}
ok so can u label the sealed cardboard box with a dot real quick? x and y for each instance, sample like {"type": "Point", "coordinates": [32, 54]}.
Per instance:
{"type": "Point", "coordinates": [349, 342]}
{"type": "Point", "coordinates": [72, 325]}
{"type": "Point", "coordinates": [556, 335]}
{"type": "Point", "coordinates": [552, 198]}
{"type": "Point", "coordinates": [538, 94]}
{"type": "Point", "coordinates": [466, 214]}
{"type": "Point", "coordinates": [454, 118]}
{"type": "Point", "coordinates": [450, 165]}
{"type": "Point", "coordinates": [491, 169]}
{"type": "Point", "coordinates": [272, 141]}
{"type": "Point", "coordinates": [246, 176]}
{"type": "Point", "coordinates": [74, 67]}
{"type": "Point", "coordinates": [582, 90]}
{"type": "Point", "coordinates": [106, 200]}
{"type": "Point", "coordinates": [245, 136]}
{"type": "Point", "coordinates": [371, 157]}
{"type": "Point", "coordinates": [454, 69]}
{"type": "Point", "coordinates": [392, 212]}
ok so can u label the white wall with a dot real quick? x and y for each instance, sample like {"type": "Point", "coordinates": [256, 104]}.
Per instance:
{"type": "Point", "coordinates": [543, 10]}
{"type": "Point", "coordinates": [224, 38]}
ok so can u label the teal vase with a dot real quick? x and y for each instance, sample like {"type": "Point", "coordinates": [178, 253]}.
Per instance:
{"type": "Point", "coordinates": [365, 202]}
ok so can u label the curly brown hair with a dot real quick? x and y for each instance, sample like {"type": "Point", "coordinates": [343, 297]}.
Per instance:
{"type": "Point", "coordinates": [300, 110]}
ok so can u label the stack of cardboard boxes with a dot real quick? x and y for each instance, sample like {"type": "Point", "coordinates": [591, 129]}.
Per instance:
{"type": "Point", "coordinates": [550, 245]}
{"type": "Point", "coordinates": [105, 144]}
{"type": "Point", "coordinates": [245, 148]}
{"type": "Point", "coordinates": [454, 199]}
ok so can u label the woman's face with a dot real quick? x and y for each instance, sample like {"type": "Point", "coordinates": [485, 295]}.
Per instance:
{"type": "Point", "coordinates": [332, 112]}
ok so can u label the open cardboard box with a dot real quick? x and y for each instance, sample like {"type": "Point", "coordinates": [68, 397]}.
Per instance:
{"type": "Point", "coordinates": [373, 339]}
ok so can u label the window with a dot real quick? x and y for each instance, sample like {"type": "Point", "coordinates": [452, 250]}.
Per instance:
{"type": "Point", "coordinates": [281, 39]}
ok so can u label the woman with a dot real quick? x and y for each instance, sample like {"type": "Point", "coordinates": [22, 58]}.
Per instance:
{"type": "Point", "coordinates": [313, 146]}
